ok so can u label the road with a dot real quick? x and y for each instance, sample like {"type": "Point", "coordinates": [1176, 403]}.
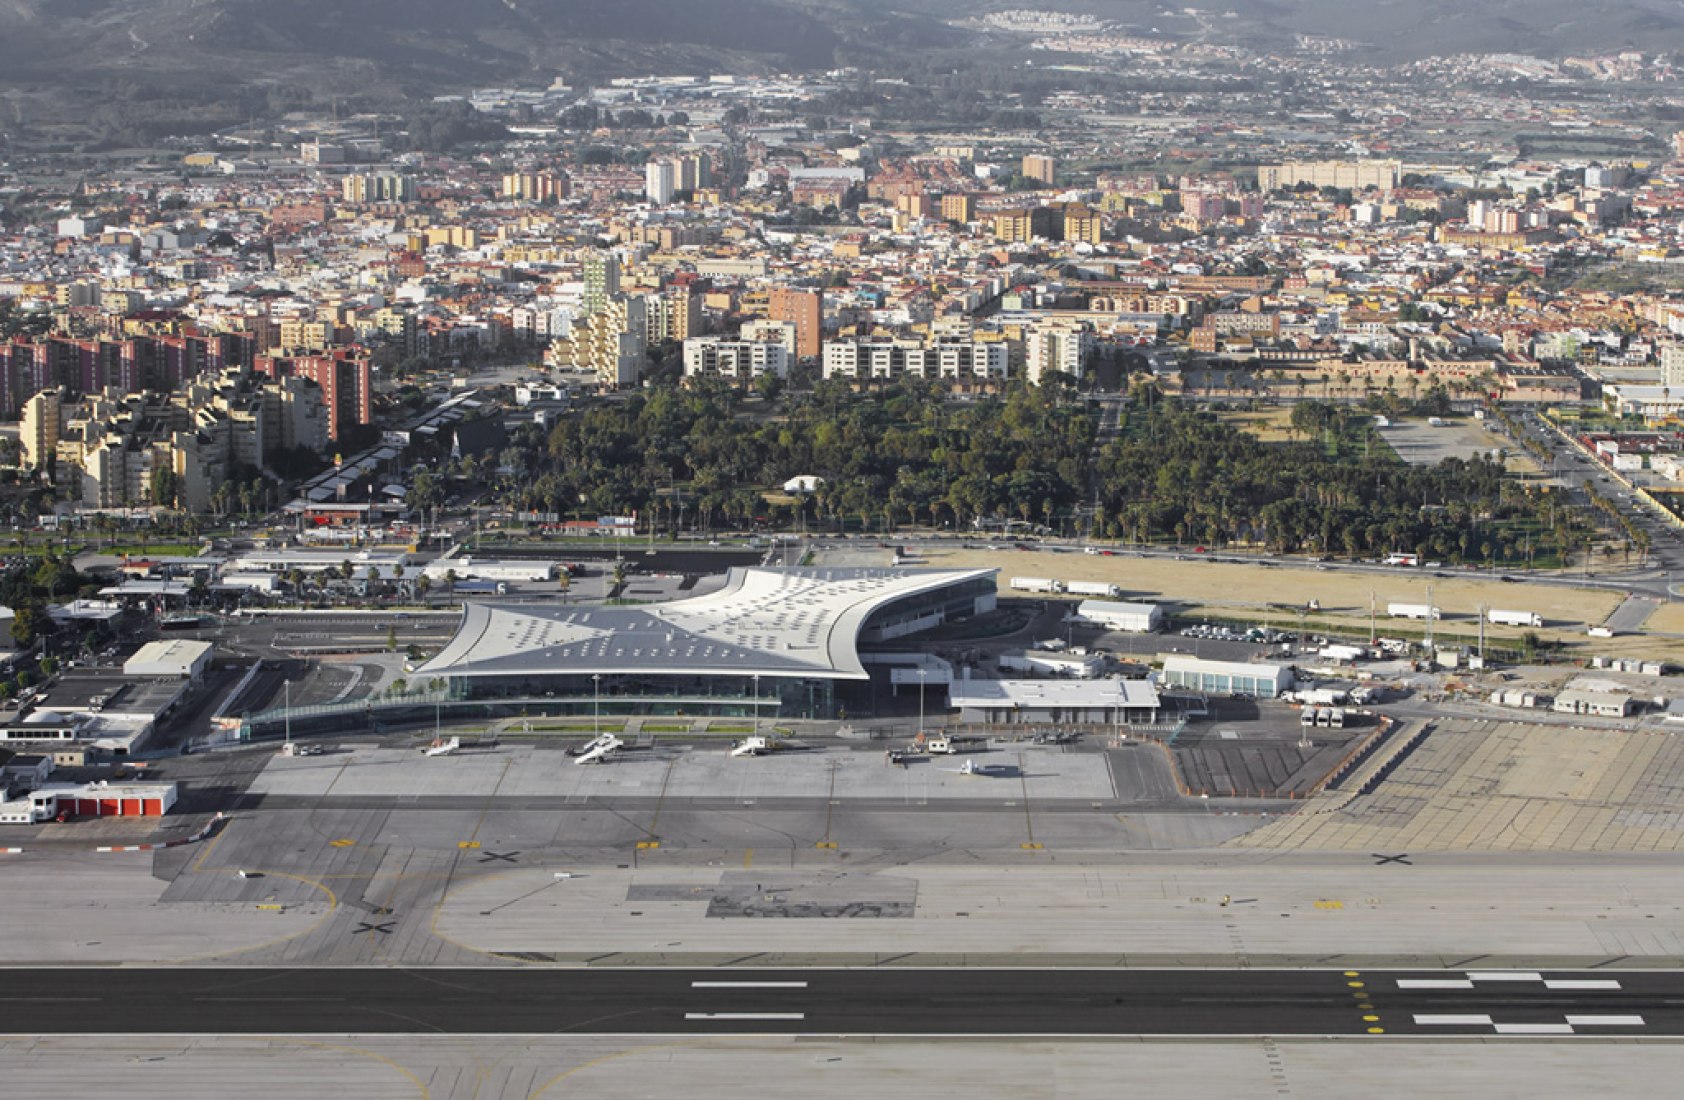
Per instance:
{"type": "Point", "coordinates": [892, 1002]}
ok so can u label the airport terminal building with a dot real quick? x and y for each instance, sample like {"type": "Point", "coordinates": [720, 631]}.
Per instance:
{"type": "Point", "coordinates": [777, 642]}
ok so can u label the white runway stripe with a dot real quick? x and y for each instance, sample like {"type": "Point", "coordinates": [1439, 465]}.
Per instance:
{"type": "Point", "coordinates": [748, 985]}
{"type": "Point", "coordinates": [1433, 983]}
{"type": "Point", "coordinates": [1505, 976]}
{"type": "Point", "coordinates": [1430, 1019]}
{"type": "Point", "coordinates": [1534, 1029]}
{"type": "Point", "coordinates": [745, 1015]}
{"type": "Point", "coordinates": [1605, 1021]}
{"type": "Point", "coordinates": [1581, 983]}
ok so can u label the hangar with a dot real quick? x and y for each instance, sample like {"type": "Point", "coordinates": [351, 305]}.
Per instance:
{"type": "Point", "coordinates": [774, 641]}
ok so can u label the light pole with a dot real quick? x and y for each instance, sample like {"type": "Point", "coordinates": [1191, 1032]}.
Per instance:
{"type": "Point", "coordinates": [286, 710]}
{"type": "Point", "coordinates": [596, 707]}
{"type": "Point", "coordinates": [757, 704]}
{"type": "Point", "coordinates": [922, 673]}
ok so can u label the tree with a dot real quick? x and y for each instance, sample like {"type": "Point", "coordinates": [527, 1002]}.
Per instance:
{"type": "Point", "coordinates": [391, 638]}
{"type": "Point", "coordinates": [423, 585]}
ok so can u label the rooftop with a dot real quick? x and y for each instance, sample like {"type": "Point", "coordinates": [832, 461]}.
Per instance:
{"type": "Point", "coordinates": [1129, 694]}
{"type": "Point", "coordinates": [772, 622]}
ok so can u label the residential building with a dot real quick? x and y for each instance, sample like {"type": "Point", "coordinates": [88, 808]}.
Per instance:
{"type": "Point", "coordinates": [952, 359]}
{"type": "Point", "coordinates": [803, 309]}
{"type": "Point", "coordinates": [1040, 168]}
{"type": "Point", "coordinates": [741, 360]}
{"type": "Point", "coordinates": [1062, 346]}
{"type": "Point", "coordinates": [659, 181]}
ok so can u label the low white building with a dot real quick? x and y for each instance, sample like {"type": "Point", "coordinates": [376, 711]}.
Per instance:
{"type": "Point", "coordinates": [1265, 681]}
{"type": "Point", "coordinates": [1037, 662]}
{"type": "Point", "coordinates": [1134, 618]}
{"type": "Point", "coordinates": [1049, 702]}
{"type": "Point", "coordinates": [174, 659]}
{"type": "Point", "coordinates": [1598, 698]}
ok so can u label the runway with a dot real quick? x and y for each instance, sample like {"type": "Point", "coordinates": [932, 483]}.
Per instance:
{"type": "Point", "coordinates": [955, 1002]}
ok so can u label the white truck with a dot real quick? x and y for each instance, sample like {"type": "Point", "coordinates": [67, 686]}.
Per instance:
{"type": "Point", "coordinates": [1322, 697]}
{"type": "Point", "coordinates": [1412, 611]}
{"type": "Point", "coordinates": [1345, 653]}
{"type": "Point", "coordinates": [1037, 584]}
{"type": "Point", "coordinates": [1093, 588]}
{"type": "Point", "coordinates": [1514, 618]}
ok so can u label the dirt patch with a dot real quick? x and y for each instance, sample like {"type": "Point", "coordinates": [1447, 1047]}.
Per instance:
{"type": "Point", "coordinates": [1254, 589]}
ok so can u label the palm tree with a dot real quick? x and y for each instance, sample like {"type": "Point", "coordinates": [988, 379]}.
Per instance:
{"type": "Point", "coordinates": [450, 585]}
{"type": "Point", "coordinates": [423, 584]}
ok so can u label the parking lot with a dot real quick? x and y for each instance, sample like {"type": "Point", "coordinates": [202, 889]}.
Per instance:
{"type": "Point", "coordinates": [1422, 444]}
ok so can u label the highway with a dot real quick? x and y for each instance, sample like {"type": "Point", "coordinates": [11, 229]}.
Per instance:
{"type": "Point", "coordinates": [958, 1002]}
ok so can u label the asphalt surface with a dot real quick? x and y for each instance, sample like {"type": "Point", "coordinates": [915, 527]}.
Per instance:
{"type": "Point", "coordinates": [848, 1002]}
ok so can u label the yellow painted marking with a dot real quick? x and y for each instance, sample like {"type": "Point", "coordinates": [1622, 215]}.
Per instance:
{"type": "Point", "coordinates": [1353, 973]}
{"type": "Point", "coordinates": [748, 858]}
{"type": "Point", "coordinates": [1371, 1019]}
{"type": "Point", "coordinates": [1326, 904]}
{"type": "Point", "coordinates": [825, 844]}
{"type": "Point", "coordinates": [1030, 845]}
{"type": "Point", "coordinates": [467, 844]}
{"type": "Point", "coordinates": [1355, 985]}
{"type": "Point", "coordinates": [647, 844]}
{"type": "Point", "coordinates": [1366, 1008]}
{"type": "Point", "coordinates": [271, 907]}
{"type": "Point", "coordinates": [1377, 1031]}
{"type": "Point", "coordinates": [341, 843]}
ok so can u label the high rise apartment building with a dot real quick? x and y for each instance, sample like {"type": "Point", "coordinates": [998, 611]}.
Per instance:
{"type": "Point", "coordinates": [804, 310]}
{"type": "Point", "coordinates": [1041, 168]}
{"type": "Point", "coordinates": [602, 281]}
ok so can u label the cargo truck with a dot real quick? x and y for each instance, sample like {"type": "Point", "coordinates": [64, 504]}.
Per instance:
{"type": "Point", "coordinates": [1093, 588]}
{"type": "Point", "coordinates": [1514, 618]}
{"type": "Point", "coordinates": [1412, 611]}
{"type": "Point", "coordinates": [1037, 584]}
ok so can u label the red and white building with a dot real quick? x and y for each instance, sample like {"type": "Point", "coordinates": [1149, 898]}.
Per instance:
{"type": "Point", "coordinates": [98, 799]}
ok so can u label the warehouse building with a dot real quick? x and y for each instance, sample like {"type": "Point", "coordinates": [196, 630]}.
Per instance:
{"type": "Point", "coordinates": [1132, 618]}
{"type": "Point", "coordinates": [1265, 681]}
{"type": "Point", "coordinates": [1055, 702]}
{"type": "Point", "coordinates": [98, 799]}
{"type": "Point", "coordinates": [174, 659]}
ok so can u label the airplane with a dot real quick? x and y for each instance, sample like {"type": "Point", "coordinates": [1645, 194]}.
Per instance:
{"type": "Point", "coordinates": [753, 746]}
{"type": "Point", "coordinates": [442, 748]}
{"type": "Point", "coordinates": [598, 749]}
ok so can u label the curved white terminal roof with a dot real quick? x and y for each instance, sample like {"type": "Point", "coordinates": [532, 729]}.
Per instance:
{"type": "Point", "coordinates": [768, 622]}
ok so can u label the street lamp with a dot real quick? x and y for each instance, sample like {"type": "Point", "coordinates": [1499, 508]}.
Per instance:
{"type": "Point", "coordinates": [922, 673]}
{"type": "Point", "coordinates": [757, 704]}
{"type": "Point", "coordinates": [286, 710]}
{"type": "Point", "coordinates": [596, 708]}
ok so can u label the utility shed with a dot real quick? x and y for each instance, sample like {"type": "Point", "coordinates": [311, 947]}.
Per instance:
{"type": "Point", "coordinates": [175, 659]}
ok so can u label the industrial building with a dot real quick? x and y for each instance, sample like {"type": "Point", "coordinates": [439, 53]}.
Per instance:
{"type": "Point", "coordinates": [1051, 702]}
{"type": "Point", "coordinates": [172, 659]}
{"type": "Point", "coordinates": [1265, 681]}
{"type": "Point", "coordinates": [778, 642]}
{"type": "Point", "coordinates": [97, 799]}
{"type": "Point", "coordinates": [1133, 618]}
